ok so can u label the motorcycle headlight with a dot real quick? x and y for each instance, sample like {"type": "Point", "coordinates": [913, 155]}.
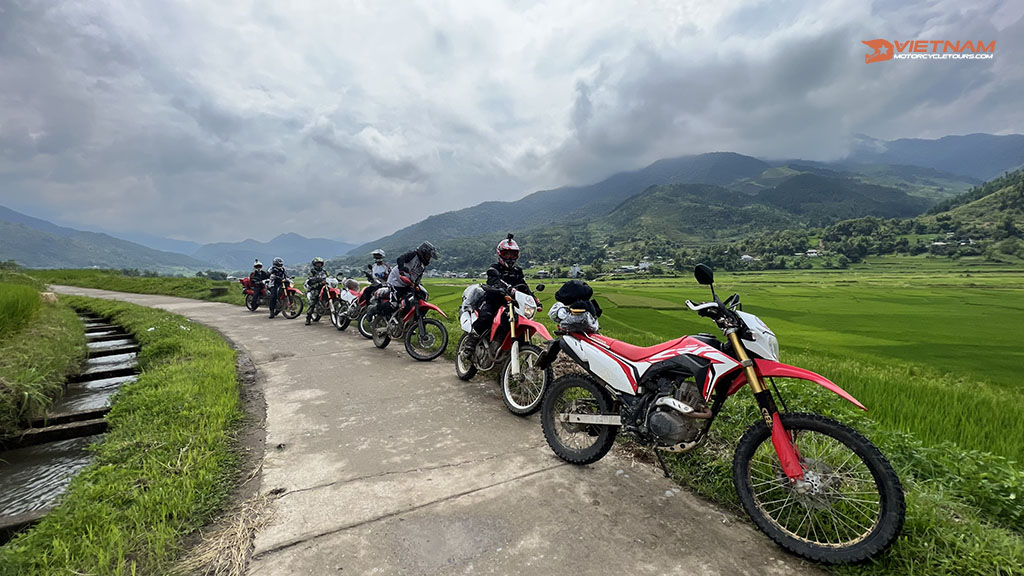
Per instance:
{"type": "Point", "coordinates": [773, 344]}
{"type": "Point", "coordinates": [529, 310]}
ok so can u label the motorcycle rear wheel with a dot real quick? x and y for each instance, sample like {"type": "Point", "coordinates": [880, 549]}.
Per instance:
{"type": "Point", "coordinates": [577, 443]}
{"type": "Point", "coordinates": [379, 329]}
{"type": "Point", "coordinates": [252, 302]}
{"type": "Point", "coordinates": [523, 394]}
{"type": "Point", "coordinates": [853, 506]}
{"type": "Point", "coordinates": [293, 306]}
{"type": "Point", "coordinates": [430, 347]}
{"type": "Point", "coordinates": [365, 326]}
{"type": "Point", "coordinates": [465, 369]}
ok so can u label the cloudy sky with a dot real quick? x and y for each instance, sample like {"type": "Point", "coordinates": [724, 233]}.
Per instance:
{"type": "Point", "coordinates": [216, 121]}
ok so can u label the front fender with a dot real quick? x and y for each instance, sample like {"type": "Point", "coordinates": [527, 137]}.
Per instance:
{"type": "Point", "coordinates": [428, 305]}
{"type": "Point", "coordinates": [537, 327]}
{"type": "Point", "coordinates": [767, 368]}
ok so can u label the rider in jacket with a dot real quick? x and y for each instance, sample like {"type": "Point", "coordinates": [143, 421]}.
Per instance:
{"type": "Point", "coordinates": [277, 277]}
{"type": "Point", "coordinates": [501, 276]}
{"type": "Point", "coordinates": [315, 281]}
{"type": "Point", "coordinates": [256, 278]}
{"type": "Point", "coordinates": [409, 269]}
{"type": "Point", "coordinates": [376, 274]}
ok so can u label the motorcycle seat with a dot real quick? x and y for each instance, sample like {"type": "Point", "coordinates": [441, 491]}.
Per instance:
{"type": "Point", "coordinates": [634, 353]}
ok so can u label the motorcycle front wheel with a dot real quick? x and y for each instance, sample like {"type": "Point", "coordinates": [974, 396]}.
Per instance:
{"type": "Point", "coordinates": [577, 443]}
{"type": "Point", "coordinates": [252, 302]}
{"type": "Point", "coordinates": [339, 316]}
{"type": "Point", "coordinates": [430, 344]}
{"type": "Point", "coordinates": [293, 306]}
{"type": "Point", "coordinates": [365, 324]}
{"type": "Point", "coordinates": [465, 369]}
{"type": "Point", "coordinates": [850, 505]}
{"type": "Point", "coordinates": [379, 330]}
{"type": "Point", "coordinates": [523, 393]}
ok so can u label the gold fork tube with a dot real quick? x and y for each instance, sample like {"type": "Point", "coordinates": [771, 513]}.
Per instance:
{"type": "Point", "coordinates": [755, 383]}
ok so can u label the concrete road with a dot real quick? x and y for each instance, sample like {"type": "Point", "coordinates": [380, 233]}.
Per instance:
{"type": "Point", "coordinates": [385, 465]}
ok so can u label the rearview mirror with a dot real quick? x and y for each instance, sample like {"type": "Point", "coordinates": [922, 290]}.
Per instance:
{"type": "Point", "coordinates": [540, 287]}
{"type": "Point", "coordinates": [704, 274]}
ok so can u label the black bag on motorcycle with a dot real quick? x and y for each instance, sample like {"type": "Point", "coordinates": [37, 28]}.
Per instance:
{"type": "Point", "coordinates": [573, 291]}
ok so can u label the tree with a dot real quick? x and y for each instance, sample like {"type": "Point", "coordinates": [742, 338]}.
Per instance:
{"type": "Point", "coordinates": [598, 265]}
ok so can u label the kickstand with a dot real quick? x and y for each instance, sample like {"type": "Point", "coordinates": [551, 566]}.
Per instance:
{"type": "Point", "coordinates": [662, 462]}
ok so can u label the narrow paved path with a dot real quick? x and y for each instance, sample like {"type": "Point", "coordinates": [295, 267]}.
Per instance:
{"type": "Point", "coordinates": [386, 465]}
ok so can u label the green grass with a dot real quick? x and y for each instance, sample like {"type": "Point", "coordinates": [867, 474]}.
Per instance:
{"type": "Point", "coordinates": [164, 467]}
{"type": "Point", "coordinates": [195, 288]}
{"type": "Point", "coordinates": [18, 304]}
{"type": "Point", "coordinates": [36, 357]}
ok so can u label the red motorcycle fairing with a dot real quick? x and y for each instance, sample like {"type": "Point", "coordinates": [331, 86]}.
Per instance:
{"type": "Point", "coordinates": [423, 304]}
{"type": "Point", "coordinates": [768, 368]}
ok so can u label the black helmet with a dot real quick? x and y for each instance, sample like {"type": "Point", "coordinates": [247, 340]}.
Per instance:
{"type": "Point", "coordinates": [278, 261]}
{"type": "Point", "coordinates": [378, 254]}
{"type": "Point", "coordinates": [426, 251]}
{"type": "Point", "coordinates": [318, 262]}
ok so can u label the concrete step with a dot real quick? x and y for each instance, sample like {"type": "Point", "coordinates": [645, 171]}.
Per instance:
{"type": "Point", "coordinates": [107, 337]}
{"type": "Point", "coordinates": [11, 525]}
{"type": "Point", "coordinates": [34, 436]}
{"type": "Point", "coordinates": [114, 351]}
{"type": "Point", "coordinates": [101, 372]}
{"type": "Point", "coordinates": [59, 418]}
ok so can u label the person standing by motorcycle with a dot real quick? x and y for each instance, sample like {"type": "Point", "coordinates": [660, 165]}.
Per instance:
{"type": "Point", "coordinates": [315, 281]}
{"type": "Point", "coordinates": [502, 275]}
{"type": "Point", "coordinates": [409, 269]}
{"type": "Point", "coordinates": [277, 277]}
{"type": "Point", "coordinates": [256, 278]}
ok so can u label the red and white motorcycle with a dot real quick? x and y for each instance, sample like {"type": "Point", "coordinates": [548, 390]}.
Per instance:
{"type": "Point", "coordinates": [523, 383]}
{"type": "Point", "coordinates": [815, 486]}
{"type": "Point", "coordinates": [345, 308]}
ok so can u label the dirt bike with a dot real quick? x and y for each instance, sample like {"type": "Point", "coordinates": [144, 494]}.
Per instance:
{"type": "Point", "coordinates": [522, 382]}
{"type": "Point", "coordinates": [326, 296]}
{"type": "Point", "coordinates": [815, 486]}
{"type": "Point", "coordinates": [425, 338]}
{"type": "Point", "coordinates": [362, 304]}
{"type": "Point", "coordinates": [346, 308]}
{"type": "Point", "coordinates": [291, 302]}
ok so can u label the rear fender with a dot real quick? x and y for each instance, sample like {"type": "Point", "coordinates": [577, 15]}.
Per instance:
{"type": "Point", "coordinates": [767, 368]}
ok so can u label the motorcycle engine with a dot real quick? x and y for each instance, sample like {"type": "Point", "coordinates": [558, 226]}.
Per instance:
{"type": "Point", "coordinates": [669, 426]}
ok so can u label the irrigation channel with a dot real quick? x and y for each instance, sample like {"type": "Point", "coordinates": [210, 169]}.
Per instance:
{"type": "Point", "coordinates": [37, 465]}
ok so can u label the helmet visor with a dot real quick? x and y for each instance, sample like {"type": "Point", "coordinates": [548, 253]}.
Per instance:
{"type": "Point", "coordinates": [510, 255]}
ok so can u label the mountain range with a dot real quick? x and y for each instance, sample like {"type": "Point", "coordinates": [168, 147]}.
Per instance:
{"type": "Point", "coordinates": [899, 178]}
{"type": "Point", "coordinates": [37, 243]}
{"type": "Point", "coordinates": [688, 200]}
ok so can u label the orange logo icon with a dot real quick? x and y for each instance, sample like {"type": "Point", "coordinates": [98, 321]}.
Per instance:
{"type": "Point", "coordinates": [883, 50]}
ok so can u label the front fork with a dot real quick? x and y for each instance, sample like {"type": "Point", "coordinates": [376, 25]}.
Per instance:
{"type": "Point", "coordinates": [514, 361]}
{"type": "Point", "coordinates": [781, 439]}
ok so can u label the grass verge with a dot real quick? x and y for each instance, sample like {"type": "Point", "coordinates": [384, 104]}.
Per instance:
{"type": "Point", "coordinates": [164, 467]}
{"type": "Point", "coordinates": [36, 358]}
{"type": "Point", "coordinates": [18, 304]}
{"type": "Point", "coordinates": [195, 288]}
